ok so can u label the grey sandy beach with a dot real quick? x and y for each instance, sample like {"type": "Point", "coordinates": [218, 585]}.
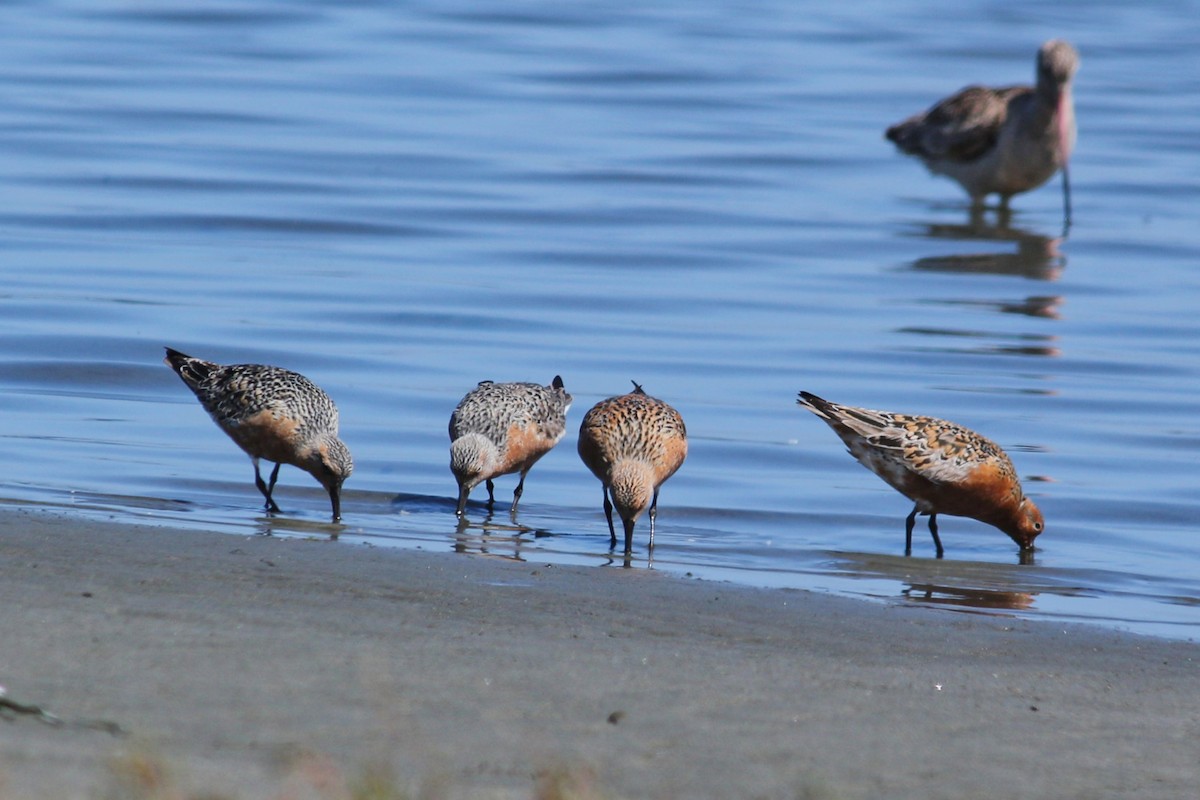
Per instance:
{"type": "Point", "coordinates": [274, 667]}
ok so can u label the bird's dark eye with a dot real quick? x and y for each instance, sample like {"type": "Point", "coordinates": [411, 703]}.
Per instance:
{"type": "Point", "coordinates": [1037, 526]}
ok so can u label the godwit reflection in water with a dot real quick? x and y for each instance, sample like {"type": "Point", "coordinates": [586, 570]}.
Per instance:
{"type": "Point", "coordinates": [1045, 306]}
{"type": "Point", "coordinates": [994, 343]}
{"type": "Point", "coordinates": [1037, 257]}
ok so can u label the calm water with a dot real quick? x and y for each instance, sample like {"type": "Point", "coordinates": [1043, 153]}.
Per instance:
{"type": "Point", "coordinates": [400, 203]}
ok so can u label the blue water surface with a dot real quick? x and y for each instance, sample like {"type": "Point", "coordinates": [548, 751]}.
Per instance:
{"type": "Point", "coordinates": [400, 202]}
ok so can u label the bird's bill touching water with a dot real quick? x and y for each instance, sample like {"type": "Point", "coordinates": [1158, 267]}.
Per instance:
{"type": "Point", "coordinates": [464, 491]}
{"type": "Point", "coordinates": [335, 500]}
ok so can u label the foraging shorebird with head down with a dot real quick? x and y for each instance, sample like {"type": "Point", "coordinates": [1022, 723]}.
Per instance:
{"type": "Point", "coordinates": [633, 443]}
{"type": "Point", "coordinates": [502, 428]}
{"type": "Point", "coordinates": [272, 414]}
{"type": "Point", "coordinates": [942, 467]}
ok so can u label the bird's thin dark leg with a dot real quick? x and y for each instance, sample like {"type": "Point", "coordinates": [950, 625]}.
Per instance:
{"type": "Point", "coordinates": [262, 486]}
{"type": "Point", "coordinates": [267, 489]}
{"type": "Point", "coordinates": [518, 492]}
{"type": "Point", "coordinates": [1066, 201]}
{"type": "Point", "coordinates": [933, 529]}
{"type": "Point", "coordinates": [612, 532]}
{"type": "Point", "coordinates": [271, 489]}
{"type": "Point", "coordinates": [491, 487]}
{"type": "Point", "coordinates": [908, 528]}
{"type": "Point", "coordinates": [653, 516]}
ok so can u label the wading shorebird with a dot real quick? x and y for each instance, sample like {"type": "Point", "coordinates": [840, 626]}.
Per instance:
{"type": "Point", "coordinates": [1002, 141]}
{"type": "Point", "coordinates": [502, 428]}
{"type": "Point", "coordinates": [273, 414]}
{"type": "Point", "coordinates": [942, 467]}
{"type": "Point", "coordinates": [633, 443]}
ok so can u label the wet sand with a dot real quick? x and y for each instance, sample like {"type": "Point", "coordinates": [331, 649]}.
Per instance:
{"type": "Point", "coordinates": [267, 667]}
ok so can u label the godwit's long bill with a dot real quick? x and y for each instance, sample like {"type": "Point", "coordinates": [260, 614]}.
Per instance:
{"type": "Point", "coordinates": [942, 467]}
{"type": "Point", "coordinates": [273, 414]}
{"type": "Point", "coordinates": [1001, 141]}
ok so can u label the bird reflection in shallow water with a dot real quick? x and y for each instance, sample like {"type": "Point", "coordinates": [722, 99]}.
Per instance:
{"type": "Point", "coordinates": [267, 525]}
{"type": "Point", "coordinates": [492, 537]}
{"type": "Point", "coordinates": [626, 561]}
{"type": "Point", "coordinates": [969, 598]}
{"type": "Point", "coordinates": [1021, 344]}
{"type": "Point", "coordinates": [1046, 306]}
{"type": "Point", "coordinates": [978, 585]}
{"type": "Point", "coordinates": [1037, 257]}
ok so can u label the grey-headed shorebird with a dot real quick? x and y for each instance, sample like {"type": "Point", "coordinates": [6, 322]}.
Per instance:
{"type": "Point", "coordinates": [272, 414]}
{"type": "Point", "coordinates": [633, 443]}
{"type": "Point", "coordinates": [1001, 141]}
{"type": "Point", "coordinates": [942, 467]}
{"type": "Point", "coordinates": [502, 428]}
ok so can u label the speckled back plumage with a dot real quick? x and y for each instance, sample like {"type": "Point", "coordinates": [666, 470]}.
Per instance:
{"type": "Point", "coordinates": [635, 426]}
{"type": "Point", "coordinates": [492, 409]}
{"type": "Point", "coordinates": [935, 449]}
{"type": "Point", "coordinates": [235, 392]}
{"type": "Point", "coordinates": [939, 465]}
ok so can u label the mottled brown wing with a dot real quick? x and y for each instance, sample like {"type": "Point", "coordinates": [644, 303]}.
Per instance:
{"type": "Point", "coordinates": [960, 128]}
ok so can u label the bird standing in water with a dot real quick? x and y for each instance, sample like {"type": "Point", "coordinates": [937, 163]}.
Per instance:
{"type": "Point", "coordinates": [1003, 141]}
{"type": "Point", "coordinates": [273, 414]}
{"type": "Point", "coordinates": [942, 467]}
{"type": "Point", "coordinates": [501, 428]}
{"type": "Point", "coordinates": [633, 443]}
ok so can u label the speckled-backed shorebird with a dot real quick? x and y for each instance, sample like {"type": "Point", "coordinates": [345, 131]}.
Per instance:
{"type": "Point", "coordinates": [273, 414]}
{"type": "Point", "coordinates": [502, 428]}
{"type": "Point", "coordinates": [942, 467]}
{"type": "Point", "coordinates": [633, 443]}
{"type": "Point", "coordinates": [1002, 141]}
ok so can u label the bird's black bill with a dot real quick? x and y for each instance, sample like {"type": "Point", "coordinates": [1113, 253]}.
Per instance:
{"type": "Point", "coordinates": [335, 499]}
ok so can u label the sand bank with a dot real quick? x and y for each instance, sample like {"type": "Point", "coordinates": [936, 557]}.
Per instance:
{"type": "Point", "coordinates": [255, 667]}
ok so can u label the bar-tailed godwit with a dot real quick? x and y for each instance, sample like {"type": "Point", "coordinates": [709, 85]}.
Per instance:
{"type": "Point", "coordinates": [273, 414]}
{"type": "Point", "coordinates": [1002, 141]}
{"type": "Point", "coordinates": [942, 467]}
{"type": "Point", "coordinates": [633, 443]}
{"type": "Point", "coordinates": [502, 428]}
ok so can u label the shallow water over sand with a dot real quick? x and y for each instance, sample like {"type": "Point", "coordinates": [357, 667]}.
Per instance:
{"type": "Point", "coordinates": [402, 203]}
